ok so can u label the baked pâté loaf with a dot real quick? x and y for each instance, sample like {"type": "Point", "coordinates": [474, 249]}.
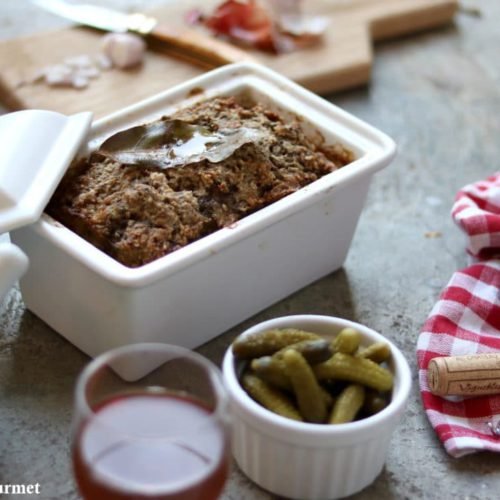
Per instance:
{"type": "Point", "coordinates": [138, 213]}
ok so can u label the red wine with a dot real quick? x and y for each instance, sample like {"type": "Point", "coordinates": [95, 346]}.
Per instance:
{"type": "Point", "coordinates": [133, 448]}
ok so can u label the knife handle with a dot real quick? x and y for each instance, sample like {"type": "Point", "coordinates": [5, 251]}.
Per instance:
{"type": "Point", "coordinates": [197, 47]}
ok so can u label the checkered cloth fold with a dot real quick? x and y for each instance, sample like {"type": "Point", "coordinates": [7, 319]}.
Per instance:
{"type": "Point", "coordinates": [466, 320]}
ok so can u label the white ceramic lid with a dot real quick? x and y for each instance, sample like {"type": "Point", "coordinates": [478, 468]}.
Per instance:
{"type": "Point", "coordinates": [36, 148]}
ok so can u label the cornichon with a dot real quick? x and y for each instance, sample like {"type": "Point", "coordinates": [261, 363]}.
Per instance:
{"type": "Point", "coordinates": [290, 370]}
{"type": "Point", "coordinates": [268, 342]}
{"type": "Point", "coordinates": [378, 352]}
{"type": "Point", "coordinates": [314, 351]}
{"type": "Point", "coordinates": [374, 402]}
{"type": "Point", "coordinates": [360, 370]}
{"type": "Point", "coordinates": [348, 404]}
{"type": "Point", "coordinates": [307, 391]}
{"type": "Point", "coordinates": [272, 371]}
{"type": "Point", "coordinates": [347, 341]}
{"type": "Point", "coordinates": [272, 399]}
{"type": "Point", "coordinates": [327, 397]}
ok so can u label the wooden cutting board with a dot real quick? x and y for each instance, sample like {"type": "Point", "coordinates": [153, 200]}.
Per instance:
{"type": "Point", "coordinates": [342, 61]}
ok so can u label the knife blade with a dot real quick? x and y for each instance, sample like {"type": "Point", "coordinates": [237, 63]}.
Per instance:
{"type": "Point", "coordinates": [184, 43]}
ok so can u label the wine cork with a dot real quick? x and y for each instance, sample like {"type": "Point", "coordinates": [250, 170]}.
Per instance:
{"type": "Point", "coordinates": [470, 375]}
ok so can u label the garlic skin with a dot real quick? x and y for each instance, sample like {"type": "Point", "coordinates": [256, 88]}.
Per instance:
{"type": "Point", "coordinates": [125, 50]}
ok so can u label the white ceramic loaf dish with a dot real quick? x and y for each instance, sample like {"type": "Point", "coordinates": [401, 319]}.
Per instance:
{"type": "Point", "coordinates": [197, 292]}
{"type": "Point", "coordinates": [312, 461]}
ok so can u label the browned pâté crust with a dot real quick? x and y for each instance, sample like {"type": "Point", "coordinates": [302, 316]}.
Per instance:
{"type": "Point", "coordinates": [138, 214]}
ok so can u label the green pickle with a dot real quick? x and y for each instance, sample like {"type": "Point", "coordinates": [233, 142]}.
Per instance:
{"type": "Point", "coordinates": [378, 352]}
{"type": "Point", "coordinates": [272, 371]}
{"type": "Point", "coordinates": [375, 402]}
{"type": "Point", "coordinates": [360, 370]}
{"type": "Point", "coordinates": [307, 390]}
{"type": "Point", "coordinates": [327, 397]}
{"type": "Point", "coordinates": [348, 404]}
{"type": "Point", "coordinates": [347, 341]}
{"type": "Point", "coordinates": [268, 342]}
{"type": "Point", "coordinates": [302, 376]}
{"type": "Point", "coordinates": [314, 351]}
{"type": "Point", "coordinates": [270, 398]}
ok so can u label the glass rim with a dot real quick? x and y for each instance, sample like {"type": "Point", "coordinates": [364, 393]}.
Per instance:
{"type": "Point", "coordinates": [103, 359]}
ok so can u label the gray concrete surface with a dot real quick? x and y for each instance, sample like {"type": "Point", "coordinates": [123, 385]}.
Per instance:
{"type": "Point", "coordinates": [438, 95]}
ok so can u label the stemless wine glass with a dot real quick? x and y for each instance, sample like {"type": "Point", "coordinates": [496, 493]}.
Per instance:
{"type": "Point", "coordinates": [150, 422]}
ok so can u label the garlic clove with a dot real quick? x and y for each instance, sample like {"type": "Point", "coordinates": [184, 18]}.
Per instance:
{"type": "Point", "coordinates": [79, 81]}
{"type": "Point", "coordinates": [82, 61]}
{"type": "Point", "coordinates": [89, 72]}
{"type": "Point", "coordinates": [59, 74]}
{"type": "Point", "coordinates": [125, 50]}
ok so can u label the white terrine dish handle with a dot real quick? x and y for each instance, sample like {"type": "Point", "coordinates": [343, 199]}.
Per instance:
{"type": "Point", "coordinates": [37, 147]}
{"type": "Point", "coordinates": [13, 264]}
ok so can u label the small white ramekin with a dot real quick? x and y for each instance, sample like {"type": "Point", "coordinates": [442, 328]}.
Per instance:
{"type": "Point", "coordinates": [312, 461]}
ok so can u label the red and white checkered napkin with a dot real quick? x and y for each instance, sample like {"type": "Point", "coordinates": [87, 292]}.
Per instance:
{"type": "Point", "coordinates": [466, 320]}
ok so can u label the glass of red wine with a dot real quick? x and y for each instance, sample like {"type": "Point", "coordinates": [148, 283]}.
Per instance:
{"type": "Point", "coordinates": [150, 422]}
